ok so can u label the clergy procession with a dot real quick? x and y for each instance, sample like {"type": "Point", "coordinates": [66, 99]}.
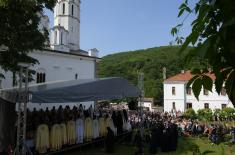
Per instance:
{"type": "Point", "coordinates": [52, 130]}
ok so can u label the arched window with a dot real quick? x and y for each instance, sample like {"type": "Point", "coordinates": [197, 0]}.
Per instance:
{"type": "Point", "coordinates": [41, 76]}
{"type": "Point", "coordinates": [63, 8]}
{"type": "Point", "coordinates": [72, 10]}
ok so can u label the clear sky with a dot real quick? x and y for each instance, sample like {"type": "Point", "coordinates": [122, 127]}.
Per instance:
{"type": "Point", "coordinates": [124, 25]}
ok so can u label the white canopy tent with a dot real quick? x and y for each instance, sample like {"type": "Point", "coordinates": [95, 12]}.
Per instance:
{"type": "Point", "coordinates": [64, 92]}
{"type": "Point", "coordinates": [76, 91]}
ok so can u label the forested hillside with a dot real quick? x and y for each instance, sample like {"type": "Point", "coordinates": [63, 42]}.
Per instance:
{"type": "Point", "coordinates": [150, 61]}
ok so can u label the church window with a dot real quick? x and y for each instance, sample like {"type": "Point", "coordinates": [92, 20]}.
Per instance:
{"type": "Point", "coordinates": [63, 8]}
{"type": "Point", "coordinates": [41, 76]}
{"type": "Point", "coordinates": [76, 76]}
{"type": "Point", "coordinates": [72, 10]}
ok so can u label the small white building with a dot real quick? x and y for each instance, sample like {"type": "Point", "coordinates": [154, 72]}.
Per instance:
{"type": "Point", "coordinates": [177, 97]}
{"type": "Point", "coordinates": [147, 104]}
{"type": "Point", "coordinates": [64, 60]}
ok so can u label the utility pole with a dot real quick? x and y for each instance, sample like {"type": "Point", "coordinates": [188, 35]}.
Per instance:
{"type": "Point", "coordinates": [141, 87]}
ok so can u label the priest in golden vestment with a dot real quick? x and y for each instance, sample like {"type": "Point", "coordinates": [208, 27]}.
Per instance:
{"type": "Point", "coordinates": [88, 129]}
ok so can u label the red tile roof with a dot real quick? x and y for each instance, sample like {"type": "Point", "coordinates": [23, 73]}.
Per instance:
{"type": "Point", "coordinates": [186, 76]}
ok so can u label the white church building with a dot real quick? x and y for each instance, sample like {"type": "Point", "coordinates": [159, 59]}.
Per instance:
{"type": "Point", "coordinates": [178, 97]}
{"type": "Point", "coordinates": [64, 60]}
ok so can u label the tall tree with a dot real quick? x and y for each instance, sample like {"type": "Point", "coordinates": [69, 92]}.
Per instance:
{"type": "Point", "coordinates": [19, 31]}
{"type": "Point", "coordinates": [213, 35]}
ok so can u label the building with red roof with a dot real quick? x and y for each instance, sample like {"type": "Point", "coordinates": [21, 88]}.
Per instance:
{"type": "Point", "coordinates": [178, 98]}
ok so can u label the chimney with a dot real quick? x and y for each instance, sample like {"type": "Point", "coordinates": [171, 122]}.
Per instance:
{"type": "Point", "coordinates": [182, 71]}
{"type": "Point", "coordinates": [93, 52]}
{"type": "Point", "coordinates": [164, 73]}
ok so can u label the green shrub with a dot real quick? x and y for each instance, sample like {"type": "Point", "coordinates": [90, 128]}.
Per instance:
{"type": "Point", "coordinates": [227, 137]}
{"type": "Point", "coordinates": [190, 113]}
{"type": "Point", "coordinates": [205, 114]}
{"type": "Point", "coordinates": [229, 113]}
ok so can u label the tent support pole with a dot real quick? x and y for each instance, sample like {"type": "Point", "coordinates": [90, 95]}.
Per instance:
{"type": "Point", "coordinates": [21, 147]}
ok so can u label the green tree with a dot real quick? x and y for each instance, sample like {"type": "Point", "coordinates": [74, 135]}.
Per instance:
{"type": "Point", "coordinates": [19, 31]}
{"type": "Point", "coordinates": [132, 103]}
{"type": "Point", "coordinates": [213, 36]}
{"type": "Point", "coordinates": [151, 61]}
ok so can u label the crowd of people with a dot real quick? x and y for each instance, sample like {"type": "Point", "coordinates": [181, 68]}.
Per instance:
{"type": "Point", "coordinates": [162, 130]}
{"type": "Point", "coordinates": [51, 130]}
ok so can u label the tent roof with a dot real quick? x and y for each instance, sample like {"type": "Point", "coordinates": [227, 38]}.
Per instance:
{"type": "Point", "coordinates": [76, 91]}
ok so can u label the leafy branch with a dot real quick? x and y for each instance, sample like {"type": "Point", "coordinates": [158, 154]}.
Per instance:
{"type": "Point", "coordinates": [213, 36]}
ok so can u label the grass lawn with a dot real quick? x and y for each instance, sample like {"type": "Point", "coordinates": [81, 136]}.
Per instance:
{"type": "Point", "coordinates": [184, 147]}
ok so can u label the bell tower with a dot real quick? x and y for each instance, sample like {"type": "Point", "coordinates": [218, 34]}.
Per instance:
{"type": "Point", "coordinates": [67, 24]}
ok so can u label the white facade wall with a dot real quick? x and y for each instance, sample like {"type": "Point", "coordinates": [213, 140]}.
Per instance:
{"type": "Point", "coordinates": [181, 98]}
{"type": "Point", "coordinates": [58, 66]}
{"type": "Point", "coordinates": [178, 98]}
{"type": "Point", "coordinates": [64, 67]}
{"type": "Point", "coordinates": [215, 101]}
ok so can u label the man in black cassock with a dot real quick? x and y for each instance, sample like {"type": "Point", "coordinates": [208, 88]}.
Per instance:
{"type": "Point", "coordinates": [153, 141]}
{"type": "Point", "coordinates": [173, 137]}
{"type": "Point", "coordinates": [156, 138]}
{"type": "Point", "coordinates": [119, 123]}
{"type": "Point", "coordinates": [165, 145]}
{"type": "Point", "coordinates": [109, 141]}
